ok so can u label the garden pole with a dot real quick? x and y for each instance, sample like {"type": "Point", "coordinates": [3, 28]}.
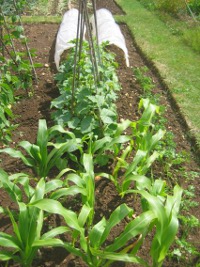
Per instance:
{"type": "Point", "coordinates": [75, 57]}
{"type": "Point", "coordinates": [26, 44]}
{"type": "Point", "coordinates": [96, 29]}
{"type": "Point", "coordinates": [92, 49]}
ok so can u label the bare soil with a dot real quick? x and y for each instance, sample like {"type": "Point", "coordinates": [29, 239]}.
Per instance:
{"type": "Point", "coordinates": [29, 110]}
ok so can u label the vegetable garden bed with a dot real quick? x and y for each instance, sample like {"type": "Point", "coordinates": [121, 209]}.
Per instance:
{"type": "Point", "coordinates": [30, 110]}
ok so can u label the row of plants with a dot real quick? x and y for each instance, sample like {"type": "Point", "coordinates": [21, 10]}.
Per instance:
{"type": "Point", "coordinates": [17, 70]}
{"type": "Point", "coordinates": [184, 250]}
{"type": "Point", "coordinates": [87, 136]}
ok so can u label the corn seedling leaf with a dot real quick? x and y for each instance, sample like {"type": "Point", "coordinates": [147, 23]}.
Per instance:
{"type": "Point", "coordinates": [55, 207]}
{"type": "Point", "coordinates": [12, 189]}
{"type": "Point", "coordinates": [71, 191]}
{"type": "Point", "coordinates": [116, 217]}
{"type": "Point", "coordinates": [7, 240]}
{"type": "Point", "coordinates": [54, 232]}
{"type": "Point", "coordinates": [88, 164]}
{"type": "Point", "coordinates": [134, 228]}
{"type": "Point", "coordinates": [6, 256]}
{"type": "Point", "coordinates": [83, 215]}
{"type": "Point", "coordinates": [42, 139]}
{"type": "Point", "coordinates": [141, 182]}
{"type": "Point", "coordinates": [112, 256]}
{"type": "Point", "coordinates": [96, 233]}
{"type": "Point", "coordinates": [76, 179]}
{"type": "Point", "coordinates": [17, 154]}
{"type": "Point", "coordinates": [50, 242]}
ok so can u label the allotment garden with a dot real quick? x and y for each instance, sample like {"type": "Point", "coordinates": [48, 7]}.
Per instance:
{"type": "Point", "coordinates": [96, 165]}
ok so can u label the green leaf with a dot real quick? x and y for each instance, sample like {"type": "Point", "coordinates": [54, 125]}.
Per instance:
{"type": "Point", "coordinates": [16, 229]}
{"type": "Point", "coordinates": [55, 207]}
{"type": "Point", "coordinates": [76, 179]}
{"type": "Point", "coordinates": [63, 171]}
{"type": "Point", "coordinates": [142, 182]}
{"type": "Point", "coordinates": [100, 143]}
{"type": "Point", "coordinates": [71, 191]}
{"type": "Point", "coordinates": [121, 127]}
{"type": "Point", "coordinates": [112, 256]}
{"type": "Point", "coordinates": [87, 124]}
{"type": "Point", "coordinates": [54, 232]}
{"type": "Point", "coordinates": [7, 240]}
{"type": "Point", "coordinates": [108, 116]}
{"type": "Point", "coordinates": [51, 242]}
{"type": "Point", "coordinates": [17, 154]}
{"type": "Point", "coordinates": [88, 163]}
{"type": "Point", "coordinates": [96, 233]}
{"type": "Point", "coordinates": [116, 217]}
{"type": "Point", "coordinates": [134, 228]}
{"type": "Point", "coordinates": [13, 190]}
{"type": "Point", "coordinates": [53, 185]}
{"type": "Point", "coordinates": [140, 155]}
{"type": "Point", "coordinates": [42, 139]}
{"type": "Point", "coordinates": [73, 123]}
{"type": "Point", "coordinates": [39, 190]}
{"type": "Point", "coordinates": [6, 256]}
{"type": "Point", "coordinates": [83, 215]}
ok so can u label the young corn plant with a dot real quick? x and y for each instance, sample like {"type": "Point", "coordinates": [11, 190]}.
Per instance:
{"type": "Point", "coordinates": [27, 221]}
{"type": "Point", "coordinates": [80, 182]}
{"type": "Point", "coordinates": [143, 141]}
{"type": "Point", "coordinates": [44, 155]}
{"type": "Point", "coordinates": [90, 240]}
{"type": "Point", "coordinates": [166, 209]}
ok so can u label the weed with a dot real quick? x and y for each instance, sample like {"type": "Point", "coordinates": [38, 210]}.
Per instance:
{"type": "Point", "coordinates": [144, 80]}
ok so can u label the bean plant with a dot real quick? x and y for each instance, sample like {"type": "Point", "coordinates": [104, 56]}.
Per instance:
{"type": "Point", "coordinates": [17, 70]}
{"type": "Point", "coordinates": [93, 109]}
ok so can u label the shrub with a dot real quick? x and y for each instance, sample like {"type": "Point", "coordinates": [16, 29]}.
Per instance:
{"type": "Point", "coordinates": [170, 6]}
{"type": "Point", "coordinates": [195, 6]}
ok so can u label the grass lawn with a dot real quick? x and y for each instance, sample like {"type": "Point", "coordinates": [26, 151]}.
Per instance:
{"type": "Point", "coordinates": [177, 64]}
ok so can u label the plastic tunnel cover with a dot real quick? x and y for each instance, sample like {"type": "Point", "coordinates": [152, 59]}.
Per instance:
{"type": "Point", "coordinates": [66, 33]}
{"type": "Point", "coordinates": [108, 30]}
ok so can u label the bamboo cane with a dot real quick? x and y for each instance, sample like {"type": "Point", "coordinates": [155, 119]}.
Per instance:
{"type": "Point", "coordinates": [26, 45]}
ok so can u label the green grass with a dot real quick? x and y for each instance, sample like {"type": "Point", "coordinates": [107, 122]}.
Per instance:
{"type": "Point", "coordinates": [178, 64]}
{"type": "Point", "coordinates": [41, 19]}
{"type": "Point", "coordinates": [192, 38]}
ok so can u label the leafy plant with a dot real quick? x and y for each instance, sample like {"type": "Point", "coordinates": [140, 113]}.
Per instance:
{"type": "Point", "coordinates": [44, 155]}
{"type": "Point", "coordinates": [195, 6]}
{"type": "Point", "coordinates": [160, 210]}
{"type": "Point", "coordinates": [170, 6]}
{"type": "Point", "coordinates": [166, 210]}
{"type": "Point", "coordinates": [144, 80]}
{"type": "Point", "coordinates": [27, 221]}
{"type": "Point", "coordinates": [188, 198]}
{"type": "Point", "coordinates": [142, 142]}
{"type": "Point", "coordinates": [91, 108]}
{"type": "Point", "coordinates": [16, 67]}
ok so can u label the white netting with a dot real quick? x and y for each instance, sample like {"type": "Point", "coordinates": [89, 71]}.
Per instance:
{"type": "Point", "coordinates": [67, 32]}
{"type": "Point", "coordinates": [109, 31]}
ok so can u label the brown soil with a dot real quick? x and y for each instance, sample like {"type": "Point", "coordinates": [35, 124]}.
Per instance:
{"type": "Point", "coordinates": [29, 110]}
